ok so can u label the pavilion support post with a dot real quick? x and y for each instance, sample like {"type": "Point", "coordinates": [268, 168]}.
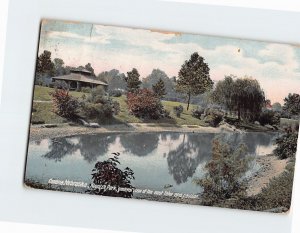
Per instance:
{"type": "Point", "coordinates": [78, 86]}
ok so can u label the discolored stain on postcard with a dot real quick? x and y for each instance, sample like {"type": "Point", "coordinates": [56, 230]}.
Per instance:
{"type": "Point", "coordinates": [164, 116]}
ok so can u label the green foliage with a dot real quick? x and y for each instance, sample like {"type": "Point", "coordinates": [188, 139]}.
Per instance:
{"type": "Point", "coordinates": [277, 107]}
{"type": "Point", "coordinates": [159, 89]}
{"type": "Point", "coordinates": [145, 104]}
{"type": "Point", "coordinates": [286, 145]}
{"type": "Point", "coordinates": [193, 77]}
{"type": "Point", "coordinates": [59, 68]}
{"type": "Point", "coordinates": [44, 64]}
{"type": "Point", "coordinates": [278, 193]}
{"type": "Point", "coordinates": [292, 104]}
{"type": "Point", "coordinates": [241, 95]}
{"type": "Point", "coordinates": [64, 104]}
{"type": "Point", "coordinates": [115, 93]}
{"type": "Point", "coordinates": [132, 80]}
{"type": "Point", "coordinates": [90, 68]}
{"type": "Point", "coordinates": [178, 110]}
{"type": "Point", "coordinates": [86, 89]}
{"type": "Point", "coordinates": [269, 117]}
{"type": "Point", "coordinates": [225, 172]}
{"type": "Point", "coordinates": [61, 85]}
{"type": "Point", "coordinates": [113, 78]}
{"type": "Point", "coordinates": [98, 106]}
{"type": "Point", "coordinates": [109, 180]}
{"type": "Point", "coordinates": [197, 112]}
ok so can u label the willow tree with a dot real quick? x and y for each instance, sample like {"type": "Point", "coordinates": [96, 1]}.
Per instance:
{"type": "Point", "coordinates": [243, 95]}
{"type": "Point", "coordinates": [193, 77]}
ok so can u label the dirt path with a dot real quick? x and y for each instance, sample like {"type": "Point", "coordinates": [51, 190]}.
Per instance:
{"type": "Point", "coordinates": [270, 167]}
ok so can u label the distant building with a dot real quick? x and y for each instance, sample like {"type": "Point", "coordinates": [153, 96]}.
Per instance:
{"type": "Point", "coordinates": [79, 78]}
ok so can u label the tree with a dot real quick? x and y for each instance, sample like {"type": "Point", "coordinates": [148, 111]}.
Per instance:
{"type": "Point", "coordinates": [90, 68]}
{"type": "Point", "coordinates": [44, 64]}
{"type": "Point", "coordinates": [225, 177]}
{"type": "Point", "coordinates": [114, 79]}
{"type": "Point", "coordinates": [132, 80]}
{"type": "Point", "coordinates": [59, 66]}
{"type": "Point", "coordinates": [193, 77]}
{"type": "Point", "coordinates": [277, 107]}
{"type": "Point", "coordinates": [292, 104]}
{"type": "Point", "coordinates": [159, 88]}
{"type": "Point", "coordinates": [243, 95]}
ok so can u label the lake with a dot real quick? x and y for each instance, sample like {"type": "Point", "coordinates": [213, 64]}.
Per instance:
{"type": "Point", "coordinates": [159, 161]}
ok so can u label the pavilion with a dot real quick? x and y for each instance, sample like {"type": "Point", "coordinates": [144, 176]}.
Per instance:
{"type": "Point", "coordinates": [79, 78]}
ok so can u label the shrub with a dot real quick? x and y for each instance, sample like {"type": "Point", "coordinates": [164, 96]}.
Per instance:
{"type": "Point", "coordinates": [60, 85]}
{"type": "Point", "coordinates": [225, 174]}
{"type": "Point", "coordinates": [109, 180]}
{"type": "Point", "coordinates": [178, 110]}
{"type": "Point", "coordinates": [115, 93]}
{"type": "Point", "coordinates": [269, 117]}
{"type": "Point", "coordinates": [145, 104]}
{"type": "Point", "coordinates": [86, 89]}
{"type": "Point", "coordinates": [286, 145]}
{"type": "Point", "coordinates": [63, 104]}
{"type": "Point", "coordinates": [213, 117]}
{"type": "Point", "coordinates": [197, 112]}
{"type": "Point", "coordinates": [98, 106]}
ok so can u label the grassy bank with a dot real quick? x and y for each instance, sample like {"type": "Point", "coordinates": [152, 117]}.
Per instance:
{"type": "Point", "coordinates": [43, 110]}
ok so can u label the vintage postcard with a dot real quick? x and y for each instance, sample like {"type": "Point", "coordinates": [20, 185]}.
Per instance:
{"type": "Point", "coordinates": [164, 116]}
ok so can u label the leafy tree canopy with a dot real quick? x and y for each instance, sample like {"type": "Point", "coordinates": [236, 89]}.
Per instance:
{"type": "Point", "coordinates": [292, 104]}
{"type": "Point", "coordinates": [159, 88]}
{"type": "Point", "coordinates": [193, 77]}
{"type": "Point", "coordinates": [132, 80]}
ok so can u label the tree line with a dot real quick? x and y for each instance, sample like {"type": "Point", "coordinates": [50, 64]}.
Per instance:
{"type": "Point", "coordinates": [242, 96]}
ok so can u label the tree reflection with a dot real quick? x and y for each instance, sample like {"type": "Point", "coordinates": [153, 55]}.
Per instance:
{"type": "Point", "coordinates": [251, 140]}
{"type": "Point", "coordinates": [184, 160]}
{"type": "Point", "coordinates": [93, 146]}
{"type": "Point", "coordinates": [60, 147]}
{"type": "Point", "coordinates": [140, 144]}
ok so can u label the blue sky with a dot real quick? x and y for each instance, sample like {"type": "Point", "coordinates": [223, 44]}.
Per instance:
{"type": "Point", "coordinates": [276, 66]}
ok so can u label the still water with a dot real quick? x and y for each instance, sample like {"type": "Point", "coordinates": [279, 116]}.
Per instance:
{"type": "Point", "coordinates": [158, 160]}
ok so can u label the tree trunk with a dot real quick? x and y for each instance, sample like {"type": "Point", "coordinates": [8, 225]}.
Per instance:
{"type": "Point", "coordinates": [188, 104]}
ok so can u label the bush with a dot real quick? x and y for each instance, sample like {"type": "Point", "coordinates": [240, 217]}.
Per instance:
{"type": "Point", "coordinates": [213, 117]}
{"type": "Point", "coordinates": [145, 104]}
{"type": "Point", "coordinates": [63, 104]}
{"type": "Point", "coordinates": [269, 117]}
{"type": "Point", "coordinates": [98, 106]}
{"type": "Point", "coordinates": [197, 112]}
{"type": "Point", "coordinates": [178, 110]}
{"type": "Point", "coordinates": [109, 180]}
{"type": "Point", "coordinates": [60, 85]}
{"type": "Point", "coordinates": [286, 145]}
{"type": "Point", "coordinates": [86, 89]}
{"type": "Point", "coordinates": [115, 93]}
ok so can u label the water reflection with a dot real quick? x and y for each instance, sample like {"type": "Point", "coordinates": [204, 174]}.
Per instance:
{"type": "Point", "coordinates": [183, 161]}
{"type": "Point", "coordinates": [92, 146]}
{"type": "Point", "coordinates": [140, 144]}
{"type": "Point", "coordinates": [157, 158]}
{"type": "Point", "coordinates": [59, 148]}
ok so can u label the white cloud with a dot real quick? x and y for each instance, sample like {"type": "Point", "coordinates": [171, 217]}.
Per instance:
{"type": "Point", "coordinates": [275, 65]}
{"type": "Point", "coordinates": [103, 39]}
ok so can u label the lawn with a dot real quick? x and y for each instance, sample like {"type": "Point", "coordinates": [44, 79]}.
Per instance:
{"type": "Point", "coordinates": [42, 114]}
{"type": "Point", "coordinates": [43, 110]}
{"type": "Point", "coordinates": [43, 93]}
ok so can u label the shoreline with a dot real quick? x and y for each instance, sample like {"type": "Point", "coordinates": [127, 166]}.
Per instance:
{"type": "Point", "coordinates": [38, 132]}
{"type": "Point", "coordinates": [270, 167]}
